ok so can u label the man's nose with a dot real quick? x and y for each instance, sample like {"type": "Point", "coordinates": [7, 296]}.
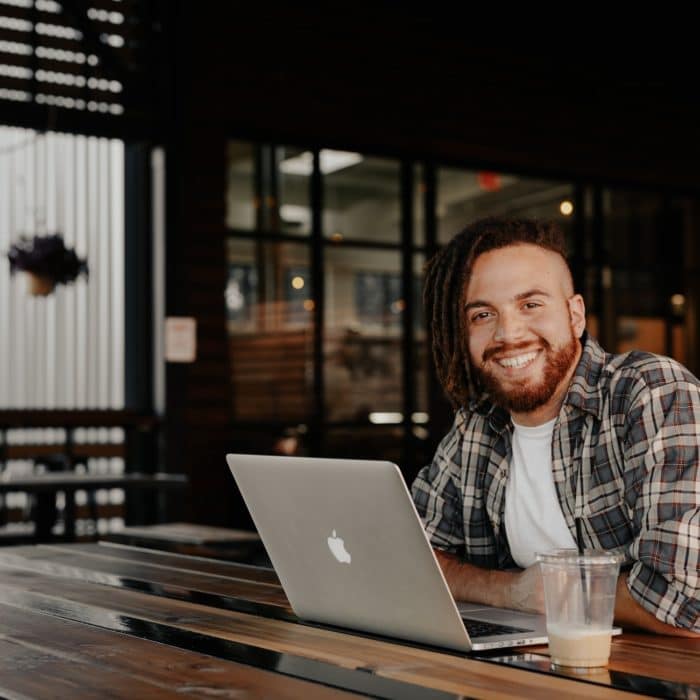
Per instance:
{"type": "Point", "coordinates": [508, 328]}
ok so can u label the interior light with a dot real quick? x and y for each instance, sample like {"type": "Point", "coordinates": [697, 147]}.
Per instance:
{"type": "Point", "coordinates": [677, 300]}
{"type": "Point", "coordinates": [294, 212]}
{"type": "Point", "coordinates": [330, 161]}
{"type": "Point", "coordinates": [337, 237]}
{"type": "Point", "coordinates": [385, 417]}
{"type": "Point", "coordinates": [309, 304]}
{"type": "Point", "coordinates": [298, 282]}
{"type": "Point", "coordinates": [566, 208]}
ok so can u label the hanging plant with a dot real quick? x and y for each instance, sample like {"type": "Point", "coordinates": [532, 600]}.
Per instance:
{"type": "Point", "coordinates": [47, 261]}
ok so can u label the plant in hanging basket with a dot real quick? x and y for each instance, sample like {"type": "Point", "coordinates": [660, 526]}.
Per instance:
{"type": "Point", "coordinates": [47, 260]}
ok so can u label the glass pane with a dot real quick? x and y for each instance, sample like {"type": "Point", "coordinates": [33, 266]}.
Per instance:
{"type": "Point", "coordinates": [363, 334]}
{"type": "Point", "coordinates": [418, 206]}
{"type": "Point", "coordinates": [365, 442]}
{"type": "Point", "coordinates": [421, 349]}
{"type": "Point", "coordinates": [466, 195]}
{"type": "Point", "coordinates": [678, 343]}
{"type": "Point", "coordinates": [240, 185]}
{"type": "Point", "coordinates": [270, 330]}
{"type": "Point", "coordinates": [592, 325]}
{"type": "Point", "coordinates": [361, 197]}
{"type": "Point", "coordinates": [634, 333]}
{"type": "Point", "coordinates": [641, 292]}
{"type": "Point", "coordinates": [640, 229]}
{"type": "Point", "coordinates": [295, 168]}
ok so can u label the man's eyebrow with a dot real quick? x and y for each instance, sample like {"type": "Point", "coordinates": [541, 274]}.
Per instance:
{"type": "Point", "coordinates": [476, 303]}
{"type": "Point", "coordinates": [531, 293]}
{"type": "Point", "coordinates": [480, 303]}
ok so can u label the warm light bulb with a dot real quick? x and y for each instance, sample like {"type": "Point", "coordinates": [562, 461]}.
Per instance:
{"type": "Point", "coordinates": [566, 208]}
{"type": "Point", "coordinates": [298, 282]}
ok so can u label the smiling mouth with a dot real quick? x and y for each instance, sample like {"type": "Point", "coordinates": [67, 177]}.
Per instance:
{"type": "Point", "coordinates": [518, 361]}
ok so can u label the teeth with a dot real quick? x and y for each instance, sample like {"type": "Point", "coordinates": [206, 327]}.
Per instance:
{"type": "Point", "coordinates": [519, 361]}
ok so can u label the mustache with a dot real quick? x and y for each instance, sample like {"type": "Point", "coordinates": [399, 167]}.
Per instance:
{"type": "Point", "coordinates": [514, 347]}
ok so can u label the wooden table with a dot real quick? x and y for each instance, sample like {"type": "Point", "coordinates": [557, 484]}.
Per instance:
{"type": "Point", "coordinates": [194, 539]}
{"type": "Point", "coordinates": [69, 482]}
{"type": "Point", "coordinates": [106, 620]}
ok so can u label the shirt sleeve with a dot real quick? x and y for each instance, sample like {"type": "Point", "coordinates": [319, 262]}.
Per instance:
{"type": "Point", "coordinates": [437, 494]}
{"type": "Point", "coordinates": [662, 452]}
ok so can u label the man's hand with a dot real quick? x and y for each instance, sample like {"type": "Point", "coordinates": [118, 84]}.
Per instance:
{"type": "Point", "coordinates": [526, 591]}
{"type": "Point", "coordinates": [523, 590]}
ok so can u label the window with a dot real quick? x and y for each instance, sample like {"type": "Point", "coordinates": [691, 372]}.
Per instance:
{"type": "Point", "coordinates": [331, 248]}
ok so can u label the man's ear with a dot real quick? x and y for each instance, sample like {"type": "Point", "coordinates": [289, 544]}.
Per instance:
{"type": "Point", "coordinates": [577, 314]}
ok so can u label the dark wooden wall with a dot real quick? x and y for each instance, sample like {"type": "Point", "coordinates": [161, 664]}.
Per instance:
{"type": "Point", "coordinates": [383, 78]}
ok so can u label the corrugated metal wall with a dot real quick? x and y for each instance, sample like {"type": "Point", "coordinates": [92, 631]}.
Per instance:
{"type": "Point", "coordinates": [65, 350]}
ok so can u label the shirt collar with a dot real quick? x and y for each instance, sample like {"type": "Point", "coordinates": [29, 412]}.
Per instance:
{"type": "Point", "coordinates": [584, 391]}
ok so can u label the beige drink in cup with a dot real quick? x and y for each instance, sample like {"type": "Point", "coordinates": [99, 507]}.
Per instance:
{"type": "Point", "coordinates": [579, 592]}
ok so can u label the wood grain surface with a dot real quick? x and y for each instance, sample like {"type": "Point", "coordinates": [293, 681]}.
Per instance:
{"type": "Point", "coordinates": [81, 619]}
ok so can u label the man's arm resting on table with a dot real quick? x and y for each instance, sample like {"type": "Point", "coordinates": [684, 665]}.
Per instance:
{"type": "Point", "coordinates": [630, 614]}
{"type": "Point", "coordinates": [522, 590]}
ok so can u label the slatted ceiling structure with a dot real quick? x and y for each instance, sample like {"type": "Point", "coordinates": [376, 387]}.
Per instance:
{"type": "Point", "coordinates": [80, 64]}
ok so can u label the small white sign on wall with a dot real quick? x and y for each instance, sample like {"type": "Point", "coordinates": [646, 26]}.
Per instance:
{"type": "Point", "coordinates": [180, 339]}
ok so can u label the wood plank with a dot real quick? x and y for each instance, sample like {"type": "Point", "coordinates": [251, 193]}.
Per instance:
{"type": "Point", "coordinates": [50, 418]}
{"type": "Point", "coordinates": [34, 450]}
{"type": "Point", "coordinates": [178, 561]}
{"type": "Point", "coordinates": [175, 582]}
{"type": "Point", "coordinates": [191, 533]}
{"type": "Point", "coordinates": [386, 659]}
{"type": "Point", "coordinates": [56, 481]}
{"type": "Point", "coordinates": [69, 659]}
{"type": "Point", "coordinates": [31, 673]}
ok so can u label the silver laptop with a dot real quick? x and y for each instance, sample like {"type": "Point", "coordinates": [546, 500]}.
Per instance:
{"type": "Point", "coordinates": [350, 550]}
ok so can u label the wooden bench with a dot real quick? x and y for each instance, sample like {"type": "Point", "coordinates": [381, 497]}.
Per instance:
{"type": "Point", "coordinates": [33, 442]}
{"type": "Point", "coordinates": [73, 448]}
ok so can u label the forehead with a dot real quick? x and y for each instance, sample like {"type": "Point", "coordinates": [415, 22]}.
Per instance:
{"type": "Point", "coordinates": [503, 273]}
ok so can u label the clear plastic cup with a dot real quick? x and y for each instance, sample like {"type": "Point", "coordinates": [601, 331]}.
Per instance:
{"type": "Point", "coordinates": [579, 595]}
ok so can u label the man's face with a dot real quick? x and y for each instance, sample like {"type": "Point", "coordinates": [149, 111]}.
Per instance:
{"type": "Point", "coordinates": [523, 324]}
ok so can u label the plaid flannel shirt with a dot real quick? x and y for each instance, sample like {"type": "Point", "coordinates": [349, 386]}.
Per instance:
{"type": "Point", "coordinates": [625, 453]}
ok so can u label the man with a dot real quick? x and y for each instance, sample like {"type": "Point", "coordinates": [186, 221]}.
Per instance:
{"type": "Point", "coordinates": [553, 437]}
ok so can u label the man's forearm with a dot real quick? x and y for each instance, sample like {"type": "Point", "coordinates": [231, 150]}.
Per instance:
{"type": "Point", "coordinates": [503, 589]}
{"type": "Point", "coordinates": [522, 590]}
{"type": "Point", "coordinates": [630, 614]}
{"type": "Point", "coordinates": [469, 582]}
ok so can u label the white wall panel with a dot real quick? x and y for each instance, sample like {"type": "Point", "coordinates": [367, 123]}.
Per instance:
{"type": "Point", "coordinates": [65, 350]}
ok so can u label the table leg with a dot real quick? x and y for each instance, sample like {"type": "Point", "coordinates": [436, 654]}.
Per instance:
{"type": "Point", "coordinates": [69, 515]}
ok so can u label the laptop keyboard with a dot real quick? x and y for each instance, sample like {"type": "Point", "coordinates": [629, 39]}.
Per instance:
{"type": "Point", "coordinates": [479, 628]}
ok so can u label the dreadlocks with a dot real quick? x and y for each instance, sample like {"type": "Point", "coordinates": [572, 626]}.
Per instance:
{"type": "Point", "coordinates": [446, 279]}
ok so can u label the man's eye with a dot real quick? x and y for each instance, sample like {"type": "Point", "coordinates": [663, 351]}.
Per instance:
{"type": "Point", "coordinates": [480, 316]}
{"type": "Point", "coordinates": [532, 305]}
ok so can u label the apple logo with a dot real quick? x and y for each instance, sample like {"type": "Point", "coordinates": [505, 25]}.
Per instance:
{"type": "Point", "coordinates": [337, 547]}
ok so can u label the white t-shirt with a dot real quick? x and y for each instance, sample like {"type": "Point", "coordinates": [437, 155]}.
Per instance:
{"type": "Point", "coordinates": [533, 517]}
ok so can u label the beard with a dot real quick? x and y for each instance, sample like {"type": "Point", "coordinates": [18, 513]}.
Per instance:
{"type": "Point", "coordinates": [526, 396]}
